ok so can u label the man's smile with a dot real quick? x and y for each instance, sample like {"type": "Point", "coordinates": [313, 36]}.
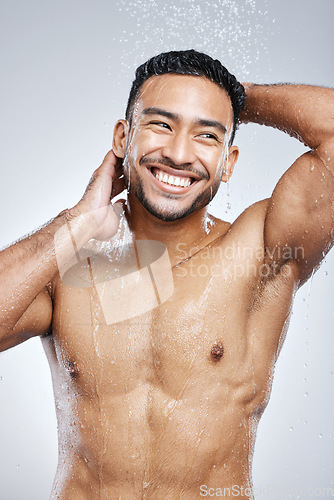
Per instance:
{"type": "Point", "coordinates": [171, 180]}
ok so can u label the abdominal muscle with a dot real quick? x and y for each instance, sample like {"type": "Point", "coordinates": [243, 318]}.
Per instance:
{"type": "Point", "coordinates": [146, 445]}
{"type": "Point", "coordinates": [137, 421]}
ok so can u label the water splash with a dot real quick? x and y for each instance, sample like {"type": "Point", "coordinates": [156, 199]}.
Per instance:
{"type": "Point", "coordinates": [228, 198]}
{"type": "Point", "coordinates": [236, 34]}
{"type": "Point", "coordinates": [307, 324]}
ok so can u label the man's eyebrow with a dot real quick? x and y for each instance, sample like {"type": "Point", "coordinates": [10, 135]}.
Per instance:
{"type": "Point", "coordinates": [158, 111]}
{"type": "Point", "coordinates": [203, 122]}
{"type": "Point", "coordinates": [211, 123]}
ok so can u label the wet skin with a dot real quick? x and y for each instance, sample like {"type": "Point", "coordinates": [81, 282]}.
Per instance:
{"type": "Point", "coordinates": [159, 404]}
{"type": "Point", "coordinates": [148, 408]}
{"type": "Point", "coordinates": [161, 400]}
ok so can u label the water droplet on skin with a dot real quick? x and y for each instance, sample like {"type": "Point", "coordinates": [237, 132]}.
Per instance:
{"type": "Point", "coordinates": [320, 436]}
{"type": "Point", "coordinates": [306, 394]}
{"type": "Point", "coordinates": [291, 428]}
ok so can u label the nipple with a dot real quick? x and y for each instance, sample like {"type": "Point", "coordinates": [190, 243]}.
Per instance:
{"type": "Point", "coordinates": [73, 369]}
{"type": "Point", "coordinates": [217, 351]}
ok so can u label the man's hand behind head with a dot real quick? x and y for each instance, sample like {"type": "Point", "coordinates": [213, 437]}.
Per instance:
{"type": "Point", "coordinates": [95, 207]}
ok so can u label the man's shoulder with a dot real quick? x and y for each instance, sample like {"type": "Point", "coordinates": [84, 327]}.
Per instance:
{"type": "Point", "coordinates": [253, 217]}
{"type": "Point", "coordinates": [248, 228]}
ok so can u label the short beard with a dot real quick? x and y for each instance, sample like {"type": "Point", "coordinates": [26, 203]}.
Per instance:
{"type": "Point", "coordinates": [135, 187]}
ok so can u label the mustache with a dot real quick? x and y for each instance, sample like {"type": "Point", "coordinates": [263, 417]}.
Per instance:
{"type": "Point", "coordinates": [169, 163]}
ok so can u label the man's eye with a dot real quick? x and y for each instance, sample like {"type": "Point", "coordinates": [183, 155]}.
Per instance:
{"type": "Point", "coordinates": [207, 135]}
{"type": "Point", "coordinates": [161, 124]}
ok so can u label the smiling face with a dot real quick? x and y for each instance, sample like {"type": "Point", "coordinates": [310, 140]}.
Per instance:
{"type": "Point", "coordinates": [176, 152]}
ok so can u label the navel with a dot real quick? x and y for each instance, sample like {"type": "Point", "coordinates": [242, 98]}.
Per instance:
{"type": "Point", "coordinates": [217, 351]}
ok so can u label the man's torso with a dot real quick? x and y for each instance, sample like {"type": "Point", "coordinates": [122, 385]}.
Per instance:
{"type": "Point", "coordinates": [161, 403]}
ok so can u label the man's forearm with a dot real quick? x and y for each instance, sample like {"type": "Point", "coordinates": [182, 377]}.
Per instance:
{"type": "Point", "coordinates": [303, 111]}
{"type": "Point", "coordinates": [28, 265]}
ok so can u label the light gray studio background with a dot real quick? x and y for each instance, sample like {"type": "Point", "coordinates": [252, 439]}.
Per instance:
{"type": "Point", "coordinates": [66, 73]}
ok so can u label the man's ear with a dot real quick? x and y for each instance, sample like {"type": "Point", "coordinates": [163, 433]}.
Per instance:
{"type": "Point", "coordinates": [233, 154]}
{"type": "Point", "coordinates": [120, 137]}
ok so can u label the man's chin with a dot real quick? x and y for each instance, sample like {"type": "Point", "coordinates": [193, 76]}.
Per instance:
{"type": "Point", "coordinates": [165, 214]}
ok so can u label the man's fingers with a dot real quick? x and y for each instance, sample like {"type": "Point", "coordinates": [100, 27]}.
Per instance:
{"type": "Point", "coordinates": [111, 163]}
{"type": "Point", "coordinates": [111, 168]}
{"type": "Point", "coordinates": [106, 182]}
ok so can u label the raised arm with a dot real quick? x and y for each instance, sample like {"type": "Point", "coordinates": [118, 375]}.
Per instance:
{"type": "Point", "coordinates": [28, 266]}
{"type": "Point", "coordinates": [299, 225]}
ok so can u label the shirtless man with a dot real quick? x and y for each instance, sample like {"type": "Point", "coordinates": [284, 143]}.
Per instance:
{"type": "Point", "coordinates": [164, 402]}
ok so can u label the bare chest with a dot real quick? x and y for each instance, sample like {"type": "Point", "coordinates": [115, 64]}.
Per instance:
{"type": "Point", "coordinates": [198, 336]}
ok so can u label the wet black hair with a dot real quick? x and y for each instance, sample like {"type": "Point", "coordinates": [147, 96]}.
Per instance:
{"type": "Point", "coordinates": [189, 62]}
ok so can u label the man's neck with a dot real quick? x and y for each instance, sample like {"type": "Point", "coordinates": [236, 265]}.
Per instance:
{"type": "Point", "coordinates": [183, 237]}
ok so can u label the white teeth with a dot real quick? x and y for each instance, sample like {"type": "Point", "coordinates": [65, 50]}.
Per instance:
{"type": "Point", "coordinates": [172, 180]}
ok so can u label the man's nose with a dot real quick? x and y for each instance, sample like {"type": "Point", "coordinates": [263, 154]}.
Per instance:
{"type": "Point", "coordinates": [179, 150]}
